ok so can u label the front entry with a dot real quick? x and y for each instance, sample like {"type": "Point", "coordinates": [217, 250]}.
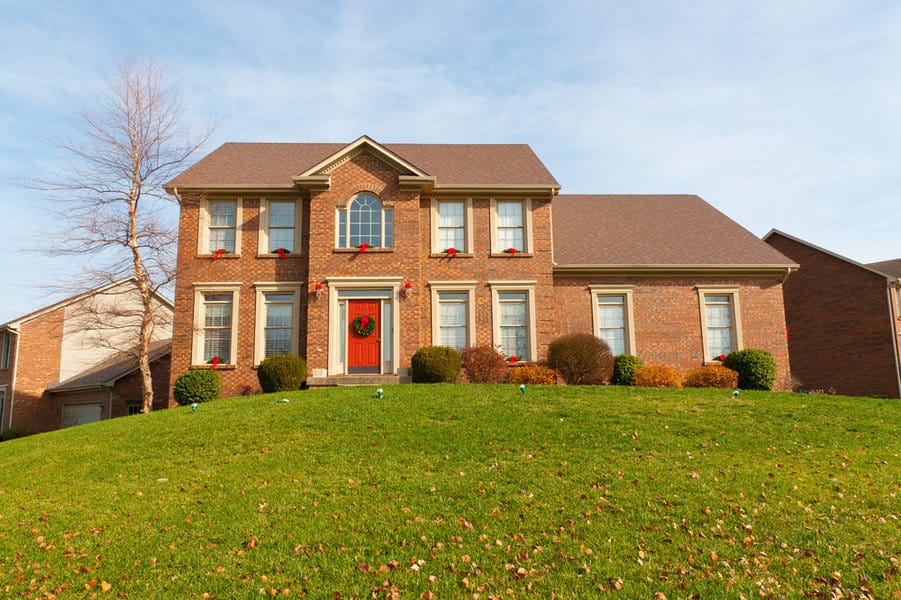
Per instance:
{"type": "Point", "coordinates": [363, 350]}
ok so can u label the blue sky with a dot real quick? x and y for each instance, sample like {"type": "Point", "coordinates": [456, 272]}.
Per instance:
{"type": "Point", "coordinates": [780, 113]}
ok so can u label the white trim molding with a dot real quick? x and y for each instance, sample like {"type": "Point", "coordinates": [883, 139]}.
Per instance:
{"type": "Point", "coordinates": [596, 290]}
{"type": "Point", "coordinates": [203, 219]}
{"type": "Point", "coordinates": [735, 307]}
{"type": "Point", "coordinates": [467, 287]}
{"type": "Point", "coordinates": [527, 287]}
{"type": "Point", "coordinates": [284, 287]}
{"type": "Point", "coordinates": [211, 288]}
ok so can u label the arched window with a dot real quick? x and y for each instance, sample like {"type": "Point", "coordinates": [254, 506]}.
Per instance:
{"type": "Point", "coordinates": [365, 221]}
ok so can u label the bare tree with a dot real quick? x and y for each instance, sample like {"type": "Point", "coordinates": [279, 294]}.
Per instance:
{"type": "Point", "coordinates": [111, 207]}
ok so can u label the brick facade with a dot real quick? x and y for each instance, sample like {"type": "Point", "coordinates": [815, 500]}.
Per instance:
{"type": "Point", "coordinates": [841, 322]}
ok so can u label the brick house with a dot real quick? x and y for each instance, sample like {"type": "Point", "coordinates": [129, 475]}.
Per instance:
{"type": "Point", "coordinates": [63, 364]}
{"type": "Point", "coordinates": [294, 247]}
{"type": "Point", "coordinates": [843, 320]}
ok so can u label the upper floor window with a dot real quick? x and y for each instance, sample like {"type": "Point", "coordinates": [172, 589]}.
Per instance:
{"type": "Point", "coordinates": [511, 224]}
{"type": "Point", "coordinates": [451, 225]}
{"type": "Point", "coordinates": [220, 226]}
{"type": "Point", "coordinates": [612, 312]}
{"type": "Point", "coordinates": [5, 349]}
{"type": "Point", "coordinates": [365, 221]}
{"type": "Point", "coordinates": [721, 327]}
{"type": "Point", "coordinates": [280, 226]}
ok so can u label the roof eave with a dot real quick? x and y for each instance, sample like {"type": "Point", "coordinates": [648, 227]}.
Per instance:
{"type": "Point", "coordinates": [783, 269]}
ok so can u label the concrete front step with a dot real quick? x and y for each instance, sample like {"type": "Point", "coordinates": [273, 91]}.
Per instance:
{"type": "Point", "coordinates": [349, 380]}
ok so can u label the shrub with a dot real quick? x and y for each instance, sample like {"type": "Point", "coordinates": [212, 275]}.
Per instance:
{"type": "Point", "coordinates": [201, 385]}
{"type": "Point", "coordinates": [657, 376]}
{"type": "Point", "coordinates": [533, 375]}
{"type": "Point", "coordinates": [581, 358]}
{"type": "Point", "coordinates": [282, 373]}
{"type": "Point", "coordinates": [711, 376]}
{"type": "Point", "coordinates": [436, 364]}
{"type": "Point", "coordinates": [483, 364]}
{"type": "Point", "coordinates": [624, 367]}
{"type": "Point", "coordinates": [756, 368]}
{"type": "Point", "coordinates": [14, 433]}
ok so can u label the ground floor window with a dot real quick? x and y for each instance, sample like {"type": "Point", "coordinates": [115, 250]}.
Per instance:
{"type": "Point", "coordinates": [215, 323]}
{"type": "Point", "coordinates": [612, 315]}
{"type": "Point", "coordinates": [134, 408]}
{"type": "Point", "coordinates": [513, 308]}
{"type": "Point", "coordinates": [721, 328]}
{"type": "Point", "coordinates": [277, 319]}
{"type": "Point", "coordinates": [453, 318]}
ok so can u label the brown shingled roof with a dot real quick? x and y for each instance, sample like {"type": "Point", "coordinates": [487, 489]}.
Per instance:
{"type": "Point", "coordinates": [889, 267]}
{"type": "Point", "coordinates": [275, 164]}
{"type": "Point", "coordinates": [653, 230]}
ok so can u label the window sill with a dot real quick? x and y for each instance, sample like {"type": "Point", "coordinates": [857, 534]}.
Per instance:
{"type": "Point", "coordinates": [219, 367]}
{"type": "Point", "coordinates": [369, 250]}
{"type": "Point", "coordinates": [228, 256]}
{"type": "Point", "coordinates": [511, 255]}
{"type": "Point", "coordinates": [275, 255]}
{"type": "Point", "coordinates": [446, 255]}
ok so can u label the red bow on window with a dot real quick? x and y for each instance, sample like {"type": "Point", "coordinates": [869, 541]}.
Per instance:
{"type": "Point", "coordinates": [363, 247]}
{"type": "Point", "coordinates": [218, 253]}
{"type": "Point", "coordinates": [216, 360]}
{"type": "Point", "coordinates": [511, 250]}
{"type": "Point", "coordinates": [452, 252]}
{"type": "Point", "coordinates": [281, 252]}
{"type": "Point", "coordinates": [514, 358]}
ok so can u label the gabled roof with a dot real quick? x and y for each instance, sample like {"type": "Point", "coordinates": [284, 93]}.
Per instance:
{"type": "Point", "coordinates": [889, 267]}
{"type": "Point", "coordinates": [107, 373]}
{"type": "Point", "coordinates": [892, 278]}
{"type": "Point", "coordinates": [284, 165]}
{"type": "Point", "coordinates": [16, 323]}
{"type": "Point", "coordinates": [654, 232]}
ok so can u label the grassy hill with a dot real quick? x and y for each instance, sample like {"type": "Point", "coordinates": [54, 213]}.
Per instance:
{"type": "Point", "coordinates": [463, 492]}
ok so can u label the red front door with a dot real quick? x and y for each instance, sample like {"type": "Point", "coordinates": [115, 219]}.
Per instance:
{"type": "Point", "coordinates": [363, 350]}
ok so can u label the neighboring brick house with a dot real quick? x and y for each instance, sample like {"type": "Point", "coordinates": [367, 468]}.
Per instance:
{"type": "Point", "coordinates": [461, 250]}
{"type": "Point", "coordinates": [64, 364]}
{"type": "Point", "coordinates": [843, 320]}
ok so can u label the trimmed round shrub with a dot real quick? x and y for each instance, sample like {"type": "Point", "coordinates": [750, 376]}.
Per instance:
{"type": "Point", "coordinates": [624, 367]}
{"type": "Point", "coordinates": [581, 358]}
{"type": "Point", "coordinates": [483, 364]}
{"type": "Point", "coordinates": [711, 376]}
{"type": "Point", "coordinates": [658, 376]}
{"type": "Point", "coordinates": [533, 375]}
{"type": "Point", "coordinates": [436, 364]}
{"type": "Point", "coordinates": [282, 373]}
{"type": "Point", "coordinates": [201, 385]}
{"type": "Point", "coordinates": [756, 368]}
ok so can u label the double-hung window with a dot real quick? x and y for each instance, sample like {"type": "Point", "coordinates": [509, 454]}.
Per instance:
{"type": "Point", "coordinates": [514, 319]}
{"type": "Point", "coordinates": [215, 323]}
{"type": "Point", "coordinates": [510, 226]}
{"type": "Point", "coordinates": [220, 226]}
{"type": "Point", "coordinates": [452, 226]}
{"type": "Point", "coordinates": [612, 312]}
{"type": "Point", "coordinates": [365, 221]}
{"type": "Point", "coordinates": [278, 305]}
{"type": "Point", "coordinates": [721, 327]}
{"type": "Point", "coordinates": [453, 318]}
{"type": "Point", "coordinates": [280, 220]}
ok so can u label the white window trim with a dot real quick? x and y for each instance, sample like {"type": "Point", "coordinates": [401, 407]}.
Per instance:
{"type": "Point", "coordinates": [469, 287]}
{"type": "Point", "coordinates": [346, 209]}
{"type": "Point", "coordinates": [614, 290]}
{"type": "Point", "coordinates": [527, 224]}
{"type": "Point", "coordinates": [209, 288]}
{"type": "Point", "coordinates": [203, 233]}
{"type": "Point", "coordinates": [259, 342]}
{"type": "Point", "coordinates": [719, 290]}
{"type": "Point", "coordinates": [6, 346]}
{"type": "Point", "coordinates": [467, 225]}
{"type": "Point", "coordinates": [263, 243]}
{"type": "Point", "coordinates": [336, 364]}
{"type": "Point", "coordinates": [515, 286]}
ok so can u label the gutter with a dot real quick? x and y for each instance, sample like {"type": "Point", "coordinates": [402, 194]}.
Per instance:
{"type": "Point", "coordinates": [785, 269]}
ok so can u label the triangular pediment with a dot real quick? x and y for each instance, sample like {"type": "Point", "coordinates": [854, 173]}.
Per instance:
{"type": "Point", "coordinates": [355, 148]}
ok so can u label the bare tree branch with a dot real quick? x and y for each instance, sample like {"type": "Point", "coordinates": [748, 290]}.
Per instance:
{"type": "Point", "coordinates": [110, 204]}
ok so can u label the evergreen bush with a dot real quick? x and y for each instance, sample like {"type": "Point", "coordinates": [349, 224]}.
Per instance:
{"type": "Point", "coordinates": [756, 368]}
{"type": "Point", "coordinates": [201, 385]}
{"type": "Point", "coordinates": [436, 364]}
{"type": "Point", "coordinates": [282, 373]}
{"type": "Point", "coordinates": [624, 368]}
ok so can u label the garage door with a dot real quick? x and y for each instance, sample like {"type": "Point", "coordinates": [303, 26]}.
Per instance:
{"type": "Point", "coordinates": [79, 414]}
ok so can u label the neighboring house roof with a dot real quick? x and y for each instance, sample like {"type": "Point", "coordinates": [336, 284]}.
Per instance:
{"type": "Point", "coordinates": [648, 232]}
{"type": "Point", "coordinates": [892, 278]}
{"type": "Point", "coordinates": [278, 165]}
{"type": "Point", "coordinates": [16, 323]}
{"type": "Point", "coordinates": [107, 373]}
{"type": "Point", "coordinates": [889, 267]}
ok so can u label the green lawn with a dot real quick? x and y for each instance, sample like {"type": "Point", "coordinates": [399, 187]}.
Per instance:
{"type": "Point", "coordinates": [463, 492]}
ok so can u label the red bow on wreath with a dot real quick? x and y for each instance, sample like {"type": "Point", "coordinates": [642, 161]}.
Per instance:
{"type": "Point", "coordinates": [218, 253]}
{"type": "Point", "coordinates": [452, 252]}
{"type": "Point", "coordinates": [514, 358]}
{"type": "Point", "coordinates": [281, 252]}
{"type": "Point", "coordinates": [215, 362]}
{"type": "Point", "coordinates": [511, 251]}
{"type": "Point", "coordinates": [364, 322]}
{"type": "Point", "coordinates": [363, 247]}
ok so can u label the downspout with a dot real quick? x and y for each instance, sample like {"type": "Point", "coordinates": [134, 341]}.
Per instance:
{"type": "Point", "coordinates": [12, 382]}
{"type": "Point", "coordinates": [894, 321]}
{"type": "Point", "coordinates": [109, 410]}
